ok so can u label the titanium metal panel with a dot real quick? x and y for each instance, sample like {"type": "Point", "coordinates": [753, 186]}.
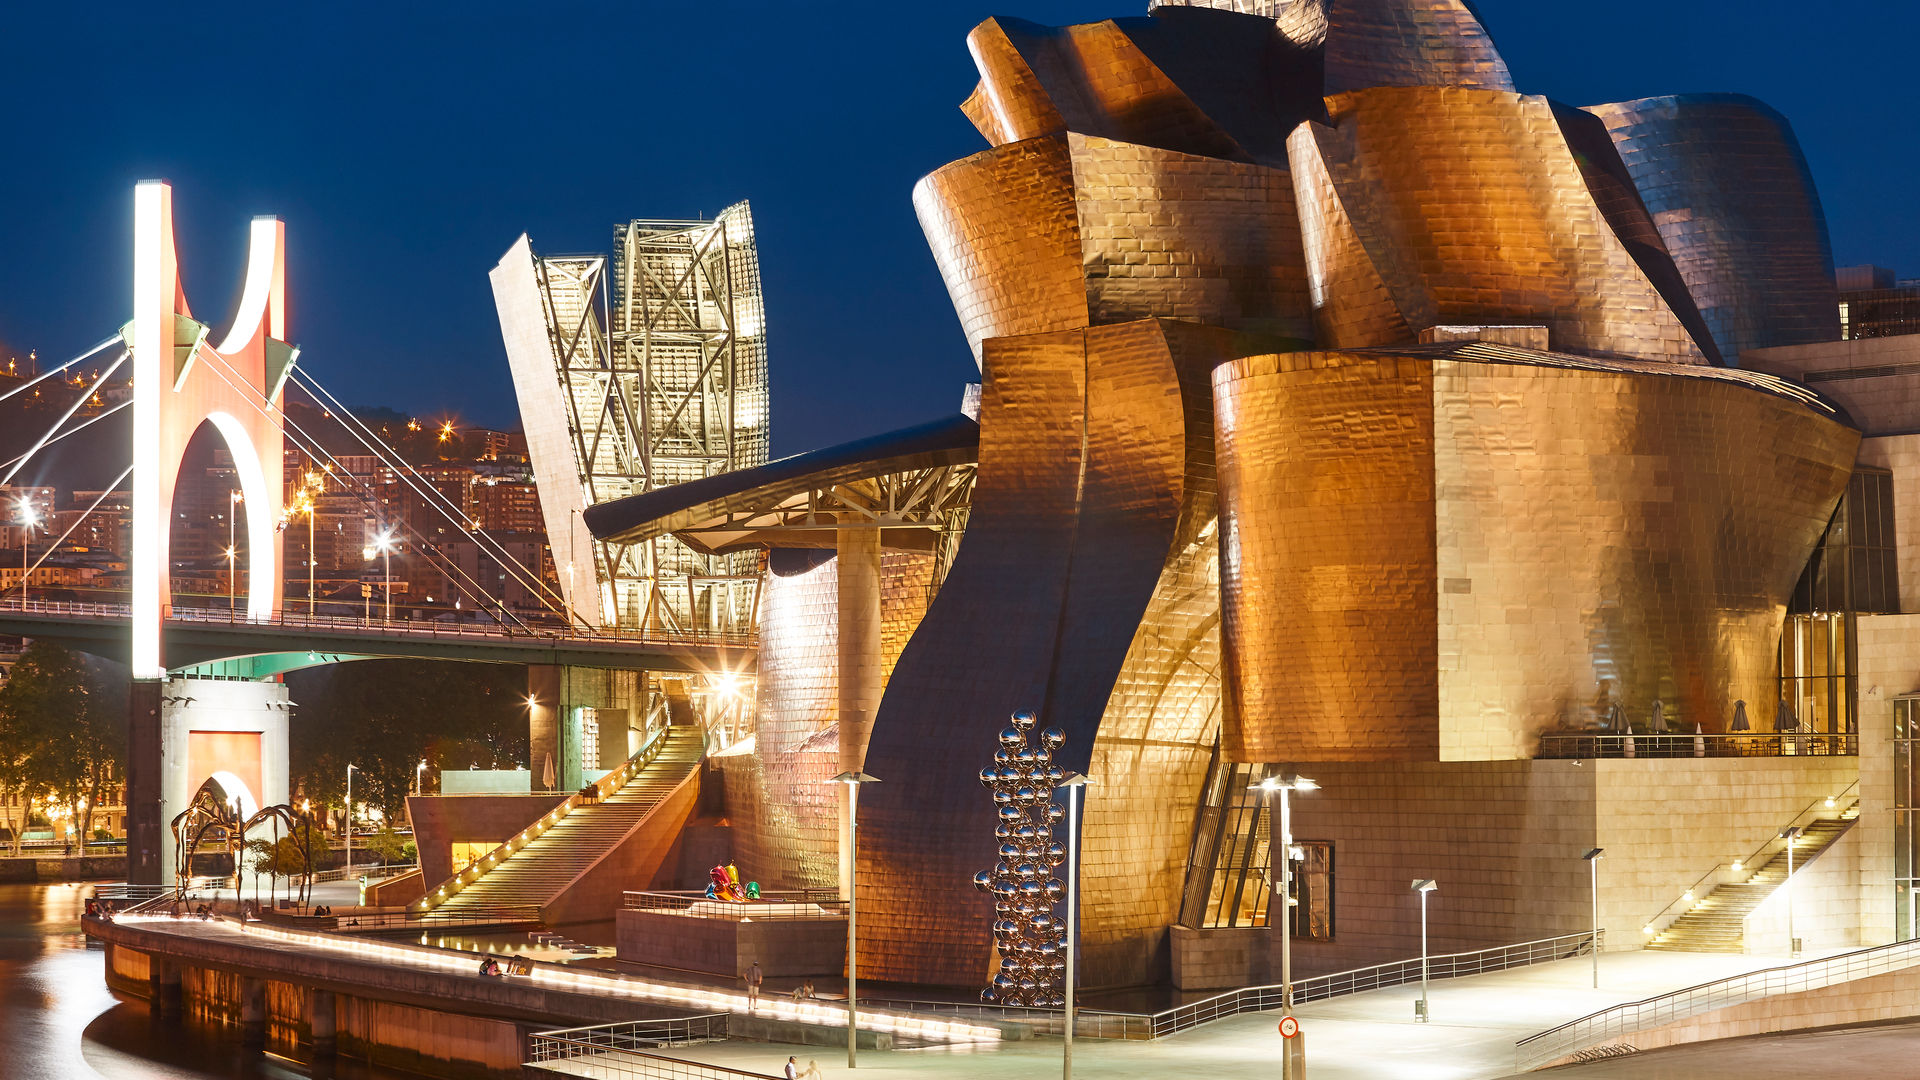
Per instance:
{"type": "Point", "coordinates": [1735, 203]}
{"type": "Point", "coordinates": [1473, 211]}
{"type": "Point", "coordinates": [1086, 471]}
{"type": "Point", "coordinates": [1438, 553]}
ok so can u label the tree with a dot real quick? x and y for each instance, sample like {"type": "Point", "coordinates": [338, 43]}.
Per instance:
{"type": "Point", "coordinates": [386, 716]}
{"type": "Point", "coordinates": [62, 717]}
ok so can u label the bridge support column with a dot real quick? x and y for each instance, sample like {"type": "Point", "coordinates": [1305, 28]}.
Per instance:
{"type": "Point", "coordinates": [148, 841]}
{"type": "Point", "coordinates": [546, 756]}
{"type": "Point", "coordinates": [227, 729]}
{"type": "Point", "coordinates": [320, 1022]}
{"type": "Point", "coordinates": [862, 675]}
{"type": "Point", "coordinates": [253, 1013]}
{"type": "Point", "coordinates": [163, 987]}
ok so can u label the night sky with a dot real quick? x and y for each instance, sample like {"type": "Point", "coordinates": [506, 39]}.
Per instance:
{"type": "Point", "coordinates": [407, 149]}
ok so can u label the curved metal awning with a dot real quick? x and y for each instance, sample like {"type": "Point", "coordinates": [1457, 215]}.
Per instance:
{"type": "Point", "coordinates": [906, 483]}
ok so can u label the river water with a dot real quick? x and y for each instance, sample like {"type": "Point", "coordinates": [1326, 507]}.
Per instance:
{"type": "Point", "coordinates": [58, 1020]}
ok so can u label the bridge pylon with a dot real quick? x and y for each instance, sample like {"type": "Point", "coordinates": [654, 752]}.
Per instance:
{"type": "Point", "coordinates": [183, 378]}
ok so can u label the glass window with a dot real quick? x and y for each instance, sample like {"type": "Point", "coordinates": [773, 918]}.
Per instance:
{"type": "Point", "coordinates": [1231, 877]}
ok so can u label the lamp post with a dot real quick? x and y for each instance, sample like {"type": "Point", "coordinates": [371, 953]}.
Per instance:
{"type": "Point", "coordinates": [28, 519]}
{"type": "Point", "coordinates": [419, 778]}
{"type": "Point", "coordinates": [1423, 886]}
{"type": "Point", "coordinates": [853, 780]}
{"type": "Point", "coordinates": [1075, 786]}
{"type": "Point", "coordinates": [384, 542]}
{"type": "Point", "coordinates": [233, 505]}
{"type": "Point", "coordinates": [1790, 834]}
{"type": "Point", "coordinates": [349, 828]}
{"type": "Point", "coordinates": [1284, 845]}
{"type": "Point", "coordinates": [1593, 866]}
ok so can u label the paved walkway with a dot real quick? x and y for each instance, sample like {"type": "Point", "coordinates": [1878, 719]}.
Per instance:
{"type": "Point", "coordinates": [1368, 1036]}
{"type": "Point", "coordinates": [1879, 1050]}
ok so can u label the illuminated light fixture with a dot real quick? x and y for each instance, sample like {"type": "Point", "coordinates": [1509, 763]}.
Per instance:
{"type": "Point", "coordinates": [1829, 802]}
{"type": "Point", "coordinates": [1688, 897]}
{"type": "Point", "coordinates": [1737, 864]}
{"type": "Point", "coordinates": [1647, 929]}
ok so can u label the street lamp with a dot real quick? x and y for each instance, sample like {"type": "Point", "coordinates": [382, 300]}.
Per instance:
{"type": "Point", "coordinates": [1283, 785]}
{"type": "Point", "coordinates": [233, 504]}
{"type": "Point", "coordinates": [1790, 834]}
{"type": "Point", "coordinates": [419, 776]}
{"type": "Point", "coordinates": [853, 779]}
{"type": "Point", "coordinates": [1075, 786]}
{"type": "Point", "coordinates": [1423, 886]}
{"type": "Point", "coordinates": [349, 829]}
{"type": "Point", "coordinates": [1593, 866]}
{"type": "Point", "coordinates": [383, 543]}
{"type": "Point", "coordinates": [28, 519]}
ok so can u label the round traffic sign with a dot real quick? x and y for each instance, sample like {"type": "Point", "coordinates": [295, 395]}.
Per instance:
{"type": "Point", "coordinates": [1289, 1027]}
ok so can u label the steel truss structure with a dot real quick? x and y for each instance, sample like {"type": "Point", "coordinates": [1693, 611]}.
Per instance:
{"type": "Point", "coordinates": [660, 356]}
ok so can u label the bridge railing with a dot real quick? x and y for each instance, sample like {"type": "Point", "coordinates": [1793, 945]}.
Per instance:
{"type": "Point", "coordinates": [619, 1050]}
{"type": "Point", "coordinates": [404, 627]}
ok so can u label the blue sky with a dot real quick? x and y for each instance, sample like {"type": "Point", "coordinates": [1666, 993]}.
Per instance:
{"type": "Point", "coordinates": [407, 145]}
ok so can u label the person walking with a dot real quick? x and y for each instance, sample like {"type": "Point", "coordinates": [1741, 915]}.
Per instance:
{"type": "Point", "coordinates": [754, 979]}
{"type": "Point", "coordinates": [792, 1071]}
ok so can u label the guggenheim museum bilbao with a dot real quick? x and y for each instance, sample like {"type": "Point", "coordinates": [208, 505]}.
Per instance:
{"type": "Point", "coordinates": [1345, 412]}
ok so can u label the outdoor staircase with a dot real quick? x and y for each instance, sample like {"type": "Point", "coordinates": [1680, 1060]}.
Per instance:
{"type": "Point", "coordinates": [1717, 923]}
{"type": "Point", "coordinates": [579, 836]}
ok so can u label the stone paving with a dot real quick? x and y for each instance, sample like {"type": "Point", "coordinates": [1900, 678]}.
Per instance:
{"type": "Point", "coordinates": [1370, 1036]}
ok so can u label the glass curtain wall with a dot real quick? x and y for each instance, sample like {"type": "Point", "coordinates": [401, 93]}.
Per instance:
{"type": "Point", "coordinates": [1853, 571]}
{"type": "Point", "coordinates": [1906, 801]}
{"type": "Point", "coordinates": [1231, 876]}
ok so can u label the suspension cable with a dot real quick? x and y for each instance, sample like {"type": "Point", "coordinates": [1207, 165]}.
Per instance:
{"type": "Point", "coordinates": [507, 561]}
{"type": "Point", "coordinates": [312, 447]}
{"type": "Point", "coordinates": [29, 384]}
{"type": "Point", "coordinates": [55, 546]}
{"type": "Point", "coordinates": [75, 430]}
{"type": "Point", "coordinates": [64, 417]}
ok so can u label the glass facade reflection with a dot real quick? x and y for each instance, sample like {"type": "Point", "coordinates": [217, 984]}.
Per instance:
{"type": "Point", "coordinates": [1230, 873]}
{"type": "Point", "coordinates": [1852, 572]}
{"type": "Point", "coordinates": [1906, 858]}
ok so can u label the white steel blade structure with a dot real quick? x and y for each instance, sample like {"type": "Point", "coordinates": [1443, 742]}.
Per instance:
{"type": "Point", "coordinates": [633, 373]}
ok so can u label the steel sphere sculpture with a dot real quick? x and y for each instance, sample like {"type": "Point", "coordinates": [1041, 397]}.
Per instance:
{"type": "Point", "coordinates": [1031, 940]}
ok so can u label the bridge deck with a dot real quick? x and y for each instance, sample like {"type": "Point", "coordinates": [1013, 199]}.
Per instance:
{"type": "Point", "coordinates": [193, 637]}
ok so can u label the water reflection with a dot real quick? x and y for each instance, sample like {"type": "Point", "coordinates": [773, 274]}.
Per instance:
{"type": "Point", "coordinates": [58, 1020]}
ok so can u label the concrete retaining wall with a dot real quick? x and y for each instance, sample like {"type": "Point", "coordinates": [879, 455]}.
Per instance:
{"type": "Point", "coordinates": [724, 947]}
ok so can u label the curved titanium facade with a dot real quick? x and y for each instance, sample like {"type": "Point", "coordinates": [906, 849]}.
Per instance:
{"type": "Point", "coordinates": [1471, 210]}
{"type": "Point", "coordinates": [1735, 204]}
{"type": "Point", "coordinates": [1094, 445]}
{"type": "Point", "coordinates": [1073, 230]}
{"type": "Point", "coordinates": [1440, 553]}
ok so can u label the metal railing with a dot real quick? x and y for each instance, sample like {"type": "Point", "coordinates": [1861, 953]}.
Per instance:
{"type": "Point", "coordinates": [396, 627]}
{"type": "Point", "coordinates": [630, 1035]}
{"type": "Point", "coordinates": [1753, 863]}
{"type": "Point", "coordinates": [1580, 745]}
{"type": "Point", "coordinates": [599, 789]}
{"type": "Point", "coordinates": [491, 915]}
{"type": "Point", "coordinates": [625, 1063]}
{"type": "Point", "coordinates": [1619, 1021]}
{"type": "Point", "coordinates": [1112, 1024]}
{"type": "Point", "coordinates": [791, 906]}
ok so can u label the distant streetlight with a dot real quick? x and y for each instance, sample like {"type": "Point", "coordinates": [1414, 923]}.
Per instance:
{"type": "Point", "coordinates": [1283, 845]}
{"type": "Point", "coordinates": [419, 778]}
{"type": "Point", "coordinates": [1075, 786]}
{"type": "Point", "coordinates": [349, 829]}
{"type": "Point", "coordinates": [1423, 886]}
{"type": "Point", "coordinates": [233, 508]}
{"type": "Point", "coordinates": [28, 519]}
{"type": "Point", "coordinates": [853, 779]}
{"type": "Point", "coordinates": [383, 543]}
{"type": "Point", "coordinates": [1593, 865]}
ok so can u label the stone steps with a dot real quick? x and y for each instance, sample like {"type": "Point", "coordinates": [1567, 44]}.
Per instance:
{"type": "Point", "coordinates": [1717, 923]}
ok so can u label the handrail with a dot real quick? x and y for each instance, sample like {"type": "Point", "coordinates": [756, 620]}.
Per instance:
{"type": "Point", "coordinates": [1116, 1024]}
{"type": "Point", "coordinates": [1616, 1021]}
{"type": "Point", "coordinates": [606, 785]}
{"type": "Point", "coordinates": [389, 627]}
{"type": "Point", "coordinates": [1751, 861]}
{"type": "Point", "coordinates": [1618, 745]}
{"type": "Point", "coordinates": [804, 905]}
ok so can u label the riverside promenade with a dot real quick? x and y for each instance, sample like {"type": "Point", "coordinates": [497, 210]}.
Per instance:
{"type": "Point", "coordinates": [1369, 1036]}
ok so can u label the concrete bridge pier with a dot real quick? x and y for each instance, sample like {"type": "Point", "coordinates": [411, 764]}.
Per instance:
{"type": "Point", "coordinates": [253, 1013]}
{"type": "Point", "coordinates": [321, 1022]}
{"type": "Point", "coordinates": [182, 731]}
{"type": "Point", "coordinates": [163, 988]}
